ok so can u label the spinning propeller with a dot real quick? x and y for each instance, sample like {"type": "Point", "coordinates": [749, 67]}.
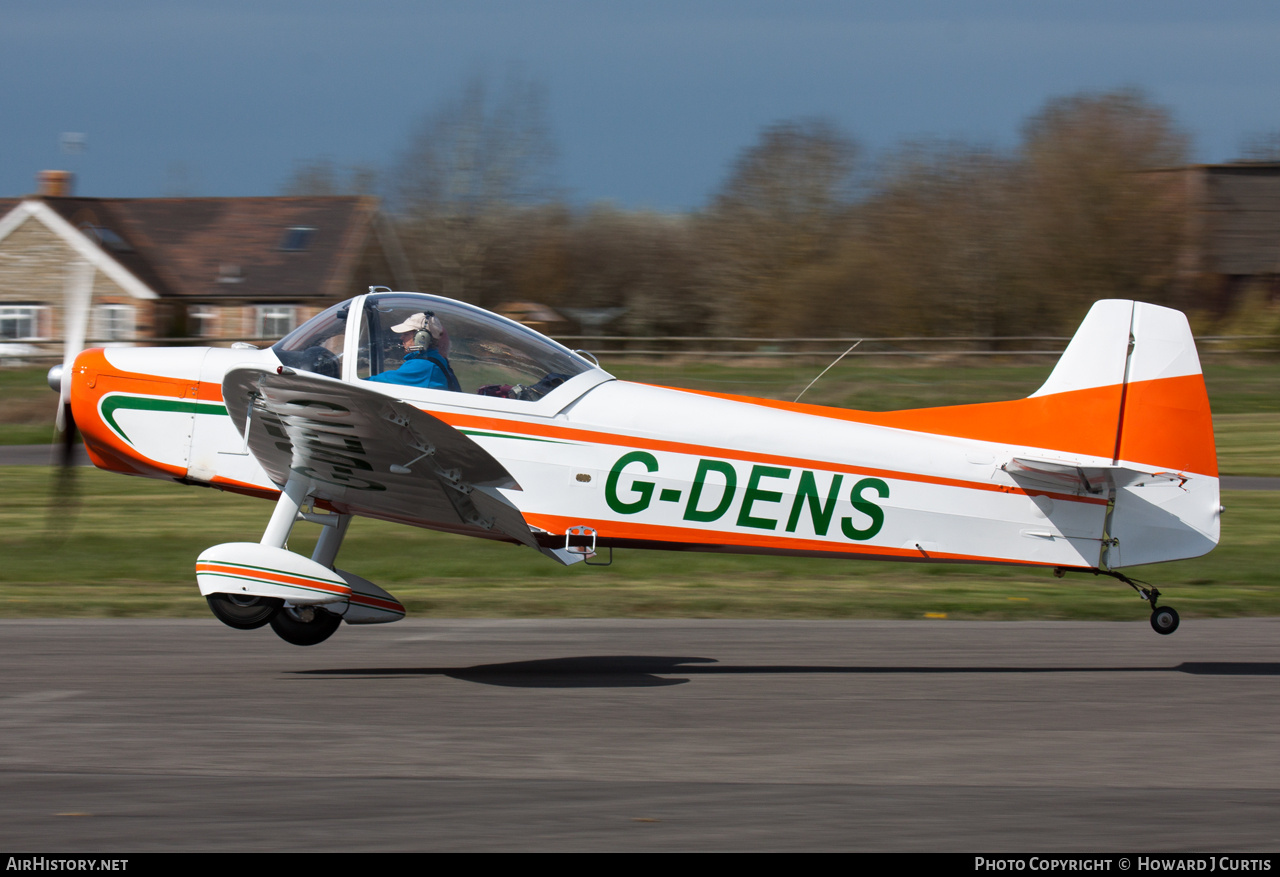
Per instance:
{"type": "Point", "coordinates": [75, 317]}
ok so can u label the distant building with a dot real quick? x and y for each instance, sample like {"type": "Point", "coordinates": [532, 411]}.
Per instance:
{"type": "Point", "coordinates": [1234, 236]}
{"type": "Point", "coordinates": [213, 270]}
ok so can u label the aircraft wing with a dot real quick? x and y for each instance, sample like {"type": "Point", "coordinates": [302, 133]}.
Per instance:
{"type": "Point", "coordinates": [366, 453]}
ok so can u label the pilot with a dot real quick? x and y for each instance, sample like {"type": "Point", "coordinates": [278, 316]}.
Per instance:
{"type": "Point", "coordinates": [426, 345]}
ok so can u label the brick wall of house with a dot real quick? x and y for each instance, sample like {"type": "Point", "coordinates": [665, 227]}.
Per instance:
{"type": "Point", "coordinates": [34, 265]}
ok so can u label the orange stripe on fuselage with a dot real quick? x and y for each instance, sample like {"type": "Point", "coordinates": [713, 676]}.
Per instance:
{"type": "Point", "coordinates": [208, 391]}
{"type": "Point", "coordinates": [630, 441]}
{"type": "Point", "coordinates": [106, 449]}
{"type": "Point", "coordinates": [1078, 422]}
{"type": "Point", "coordinates": [1168, 423]}
{"type": "Point", "coordinates": [637, 531]}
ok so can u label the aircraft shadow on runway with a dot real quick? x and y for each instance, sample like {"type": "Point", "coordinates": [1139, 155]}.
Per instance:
{"type": "Point", "coordinates": [642, 671]}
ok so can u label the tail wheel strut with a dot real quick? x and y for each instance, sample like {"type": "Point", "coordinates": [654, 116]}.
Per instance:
{"type": "Point", "coordinates": [1164, 619]}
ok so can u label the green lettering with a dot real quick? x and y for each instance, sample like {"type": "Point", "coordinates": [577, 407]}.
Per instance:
{"type": "Point", "coordinates": [753, 493]}
{"type": "Point", "coordinates": [868, 508]}
{"type": "Point", "coordinates": [691, 512]}
{"type": "Point", "coordinates": [808, 491]}
{"type": "Point", "coordinates": [643, 488]}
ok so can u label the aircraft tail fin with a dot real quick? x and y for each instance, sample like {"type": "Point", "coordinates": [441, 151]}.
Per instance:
{"type": "Point", "coordinates": [1146, 357]}
{"type": "Point", "coordinates": [1136, 364]}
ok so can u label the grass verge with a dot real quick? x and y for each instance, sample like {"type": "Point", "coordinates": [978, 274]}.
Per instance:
{"type": "Point", "coordinates": [128, 549]}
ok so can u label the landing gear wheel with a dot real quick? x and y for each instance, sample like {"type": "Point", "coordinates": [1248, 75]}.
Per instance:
{"type": "Point", "coordinates": [304, 625]}
{"type": "Point", "coordinates": [1164, 620]}
{"type": "Point", "coordinates": [243, 612]}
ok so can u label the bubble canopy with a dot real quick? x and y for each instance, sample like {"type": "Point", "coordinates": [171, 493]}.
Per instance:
{"type": "Point", "coordinates": [490, 355]}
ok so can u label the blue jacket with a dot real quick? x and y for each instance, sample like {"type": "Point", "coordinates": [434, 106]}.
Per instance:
{"type": "Point", "coordinates": [430, 370]}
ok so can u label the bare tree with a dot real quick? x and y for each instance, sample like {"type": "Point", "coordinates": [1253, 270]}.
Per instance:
{"type": "Point", "coordinates": [945, 222]}
{"type": "Point", "coordinates": [641, 265]}
{"type": "Point", "coordinates": [784, 206]}
{"type": "Point", "coordinates": [1260, 146]}
{"type": "Point", "coordinates": [322, 177]}
{"type": "Point", "coordinates": [1099, 224]}
{"type": "Point", "coordinates": [472, 161]}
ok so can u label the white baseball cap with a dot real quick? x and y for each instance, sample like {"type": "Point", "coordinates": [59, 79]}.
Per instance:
{"type": "Point", "coordinates": [421, 323]}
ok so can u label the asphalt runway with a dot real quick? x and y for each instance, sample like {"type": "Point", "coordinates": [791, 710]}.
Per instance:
{"type": "Point", "coordinates": [141, 735]}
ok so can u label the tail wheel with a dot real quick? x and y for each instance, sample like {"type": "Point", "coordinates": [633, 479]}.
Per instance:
{"type": "Point", "coordinates": [243, 612]}
{"type": "Point", "coordinates": [1164, 620]}
{"type": "Point", "coordinates": [304, 625]}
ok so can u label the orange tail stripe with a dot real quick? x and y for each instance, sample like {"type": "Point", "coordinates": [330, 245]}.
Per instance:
{"type": "Point", "coordinates": [1167, 423]}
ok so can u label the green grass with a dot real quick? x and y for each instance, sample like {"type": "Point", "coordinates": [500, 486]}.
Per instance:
{"type": "Point", "coordinates": [1248, 444]}
{"type": "Point", "coordinates": [129, 549]}
{"type": "Point", "coordinates": [1236, 386]}
{"type": "Point", "coordinates": [27, 407]}
{"type": "Point", "coordinates": [1239, 385]}
{"type": "Point", "coordinates": [865, 385]}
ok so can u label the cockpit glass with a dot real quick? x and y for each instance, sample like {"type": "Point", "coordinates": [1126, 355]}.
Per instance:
{"type": "Point", "coordinates": [317, 345]}
{"type": "Point", "coordinates": [401, 333]}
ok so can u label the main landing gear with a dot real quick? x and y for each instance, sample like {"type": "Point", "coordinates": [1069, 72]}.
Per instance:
{"type": "Point", "coordinates": [243, 612]}
{"type": "Point", "coordinates": [304, 625]}
{"type": "Point", "coordinates": [298, 616]}
{"type": "Point", "coordinates": [1164, 619]}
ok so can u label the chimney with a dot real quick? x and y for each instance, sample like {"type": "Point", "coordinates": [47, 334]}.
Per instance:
{"type": "Point", "coordinates": [55, 184]}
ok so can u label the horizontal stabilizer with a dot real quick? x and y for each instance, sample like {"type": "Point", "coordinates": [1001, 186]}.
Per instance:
{"type": "Point", "coordinates": [1072, 477]}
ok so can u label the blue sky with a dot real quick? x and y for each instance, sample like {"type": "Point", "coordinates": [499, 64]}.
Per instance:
{"type": "Point", "coordinates": [648, 103]}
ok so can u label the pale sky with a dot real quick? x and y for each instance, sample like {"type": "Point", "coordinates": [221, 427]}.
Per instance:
{"type": "Point", "coordinates": [648, 103]}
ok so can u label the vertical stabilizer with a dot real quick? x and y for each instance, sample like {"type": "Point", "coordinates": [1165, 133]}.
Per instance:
{"type": "Point", "coordinates": [1138, 364]}
{"type": "Point", "coordinates": [1098, 353]}
{"type": "Point", "coordinates": [1166, 421]}
{"type": "Point", "coordinates": [1132, 371]}
{"type": "Point", "coordinates": [1165, 425]}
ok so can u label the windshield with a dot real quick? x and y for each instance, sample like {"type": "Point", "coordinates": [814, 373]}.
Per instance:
{"type": "Point", "coordinates": [317, 345]}
{"type": "Point", "coordinates": [437, 343]}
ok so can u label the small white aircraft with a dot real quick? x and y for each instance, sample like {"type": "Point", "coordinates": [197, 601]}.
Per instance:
{"type": "Point", "coordinates": [507, 435]}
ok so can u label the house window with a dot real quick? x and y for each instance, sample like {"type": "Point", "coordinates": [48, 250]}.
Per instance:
{"type": "Point", "coordinates": [275, 321]}
{"type": "Point", "coordinates": [202, 321]}
{"type": "Point", "coordinates": [21, 322]}
{"type": "Point", "coordinates": [108, 238]}
{"type": "Point", "coordinates": [296, 239]}
{"type": "Point", "coordinates": [115, 323]}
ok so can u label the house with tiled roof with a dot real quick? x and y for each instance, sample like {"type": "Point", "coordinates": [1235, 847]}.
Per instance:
{"type": "Point", "coordinates": [210, 270]}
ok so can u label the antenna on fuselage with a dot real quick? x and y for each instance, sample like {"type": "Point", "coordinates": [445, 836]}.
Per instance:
{"type": "Point", "coordinates": [827, 369]}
